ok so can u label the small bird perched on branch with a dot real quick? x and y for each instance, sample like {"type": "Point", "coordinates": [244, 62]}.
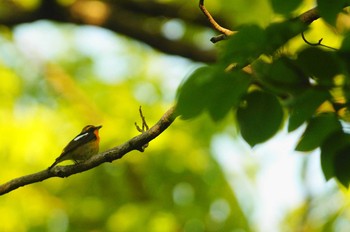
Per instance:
{"type": "Point", "coordinates": [82, 147]}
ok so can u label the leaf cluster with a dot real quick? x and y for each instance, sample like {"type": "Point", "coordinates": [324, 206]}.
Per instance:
{"type": "Point", "coordinates": [263, 88]}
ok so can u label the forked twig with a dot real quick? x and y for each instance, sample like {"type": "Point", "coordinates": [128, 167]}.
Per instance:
{"type": "Point", "coordinates": [142, 129]}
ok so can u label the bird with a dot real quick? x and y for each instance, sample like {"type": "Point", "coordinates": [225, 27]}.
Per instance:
{"type": "Point", "coordinates": [82, 147]}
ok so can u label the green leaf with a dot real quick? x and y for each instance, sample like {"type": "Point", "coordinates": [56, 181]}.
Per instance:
{"type": "Point", "coordinates": [305, 105]}
{"type": "Point", "coordinates": [226, 92]}
{"type": "Point", "coordinates": [282, 76]}
{"type": "Point", "coordinates": [342, 166]}
{"type": "Point", "coordinates": [344, 52]}
{"type": "Point", "coordinates": [277, 34]}
{"type": "Point", "coordinates": [329, 9]}
{"type": "Point", "coordinates": [244, 46]}
{"type": "Point", "coordinates": [285, 7]}
{"type": "Point", "coordinates": [323, 69]}
{"type": "Point", "coordinates": [251, 41]}
{"type": "Point", "coordinates": [260, 117]}
{"type": "Point", "coordinates": [345, 46]}
{"type": "Point", "coordinates": [192, 96]}
{"type": "Point", "coordinates": [211, 88]}
{"type": "Point", "coordinates": [330, 149]}
{"type": "Point", "coordinates": [317, 131]}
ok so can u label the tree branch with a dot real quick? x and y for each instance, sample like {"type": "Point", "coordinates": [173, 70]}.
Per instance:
{"type": "Point", "coordinates": [309, 16]}
{"type": "Point", "coordinates": [136, 143]}
{"type": "Point", "coordinates": [161, 9]}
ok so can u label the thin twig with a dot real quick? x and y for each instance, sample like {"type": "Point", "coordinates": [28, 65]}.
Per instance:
{"type": "Point", "coordinates": [218, 38]}
{"type": "Point", "coordinates": [319, 43]}
{"type": "Point", "coordinates": [212, 21]}
{"type": "Point", "coordinates": [144, 123]}
{"type": "Point", "coordinates": [142, 129]}
{"type": "Point", "coordinates": [107, 156]}
{"type": "Point", "coordinates": [225, 32]}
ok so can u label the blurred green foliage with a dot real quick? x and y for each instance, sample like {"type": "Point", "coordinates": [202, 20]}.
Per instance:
{"type": "Point", "coordinates": [55, 80]}
{"type": "Point", "coordinates": [49, 91]}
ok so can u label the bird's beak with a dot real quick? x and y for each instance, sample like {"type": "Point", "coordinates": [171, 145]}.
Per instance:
{"type": "Point", "coordinates": [98, 127]}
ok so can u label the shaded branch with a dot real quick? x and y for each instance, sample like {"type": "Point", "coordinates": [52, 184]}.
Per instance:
{"type": "Point", "coordinates": [309, 16]}
{"type": "Point", "coordinates": [143, 23]}
{"type": "Point", "coordinates": [136, 143]}
{"type": "Point", "coordinates": [126, 23]}
{"type": "Point", "coordinates": [160, 9]}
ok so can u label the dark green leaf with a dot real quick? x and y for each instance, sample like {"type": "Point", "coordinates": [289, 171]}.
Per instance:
{"type": "Point", "coordinates": [260, 117]}
{"type": "Point", "coordinates": [317, 131]}
{"type": "Point", "coordinates": [226, 92]}
{"type": "Point", "coordinates": [285, 7]}
{"type": "Point", "coordinates": [329, 9]}
{"type": "Point", "coordinates": [212, 89]}
{"type": "Point", "coordinates": [192, 96]}
{"type": "Point", "coordinates": [304, 106]}
{"type": "Point", "coordinates": [282, 76]}
{"type": "Point", "coordinates": [344, 52]}
{"type": "Point", "coordinates": [244, 46]}
{"type": "Point", "coordinates": [342, 166]}
{"type": "Point", "coordinates": [320, 64]}
{"type": "Point", "coordinates": [277, 34]}
{"type": "Point", "coordinates": [345, 46]}
{"type": "Point", "coordinates": [335, 144]}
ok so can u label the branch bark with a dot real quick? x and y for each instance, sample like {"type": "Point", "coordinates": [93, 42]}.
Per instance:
{"type": "Point", "coordinates": [309, 16]}
{"type": "Point", "coordinates": [136, 143]}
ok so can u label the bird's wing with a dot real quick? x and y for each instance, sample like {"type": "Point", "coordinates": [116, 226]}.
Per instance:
{"type": "Point", "coordinates": [79, 140]}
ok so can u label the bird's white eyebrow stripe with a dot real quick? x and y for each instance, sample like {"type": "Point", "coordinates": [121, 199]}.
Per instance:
{"type": "Point", "coordinates": [80, 136]}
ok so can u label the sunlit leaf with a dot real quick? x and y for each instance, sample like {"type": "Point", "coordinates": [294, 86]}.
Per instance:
{"type": "Point", "coordinates": [260, 117]}
{"type": "Point", "coordinates": [317, 131]}
{"type": "Point", "coordinates": [304, 106]}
